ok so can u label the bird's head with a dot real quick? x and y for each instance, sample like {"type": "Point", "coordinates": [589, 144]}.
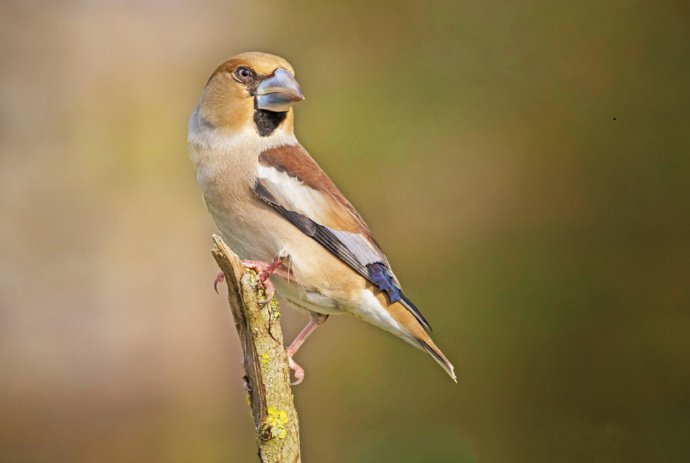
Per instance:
{"type": "Point", "coordinates": [251, 91]}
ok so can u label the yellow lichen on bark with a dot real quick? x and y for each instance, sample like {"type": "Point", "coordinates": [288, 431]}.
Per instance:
{"type": "Point", "coordinates": [266, 372]}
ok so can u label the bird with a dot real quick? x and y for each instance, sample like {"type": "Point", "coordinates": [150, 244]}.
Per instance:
{"type": "Point", "coordinates": [283, 215]}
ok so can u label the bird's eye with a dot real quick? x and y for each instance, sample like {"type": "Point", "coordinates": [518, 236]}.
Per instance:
{"type": "Point", "coordinates": [244, 74]}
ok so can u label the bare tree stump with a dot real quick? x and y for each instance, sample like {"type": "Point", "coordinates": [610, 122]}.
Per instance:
{"type": "Point", "coordinates": [266, 372]}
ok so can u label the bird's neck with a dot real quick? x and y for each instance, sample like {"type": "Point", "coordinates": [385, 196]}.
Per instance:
{"type": "Point", "coordinates": [204, 138]}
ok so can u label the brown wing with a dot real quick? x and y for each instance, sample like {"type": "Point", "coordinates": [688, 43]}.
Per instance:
{"type": "Point", "coordinates": [296, 163]}
{"type": "Point", "coordinates": [290, 181]}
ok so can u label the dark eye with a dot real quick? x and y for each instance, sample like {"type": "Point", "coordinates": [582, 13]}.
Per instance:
{"type": "Point", "coordinates": [244, 74]}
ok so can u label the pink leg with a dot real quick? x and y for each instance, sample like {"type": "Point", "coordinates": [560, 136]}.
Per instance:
{"type": "Point", "coordinates": [315, 321]}
{"type": "Point", "coordinates": [265, 270]}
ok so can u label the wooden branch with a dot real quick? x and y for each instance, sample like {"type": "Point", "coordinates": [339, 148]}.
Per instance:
{"type": "Point", "coordinates": [267, 376]}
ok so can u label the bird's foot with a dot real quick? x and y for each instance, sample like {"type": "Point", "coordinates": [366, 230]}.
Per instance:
{"type": "Point", "coordinates": [298, 371]}
{"type": "Point", "coordinates": [269, 291]}
{"type": "Point", "coordinates": [315, 320]}
{"type": "Point", "coordinates": [264, 271]}
{"type": "Point", "coordinates": [219, 279]}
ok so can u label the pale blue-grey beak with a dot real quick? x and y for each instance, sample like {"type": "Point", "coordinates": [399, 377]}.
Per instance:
{"type": "Point", "coordinates": [278, 92]}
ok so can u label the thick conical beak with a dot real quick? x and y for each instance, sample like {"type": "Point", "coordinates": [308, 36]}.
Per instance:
{"type": "Point", "coordinates": [278, 92]}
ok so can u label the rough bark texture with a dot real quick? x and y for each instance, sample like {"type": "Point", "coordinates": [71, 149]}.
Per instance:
{"type": "Point", "coordinates": [267, 376]}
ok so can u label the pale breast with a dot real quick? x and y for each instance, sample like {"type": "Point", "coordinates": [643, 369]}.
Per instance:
{"type": "Point", "coordinates": [226, 171]}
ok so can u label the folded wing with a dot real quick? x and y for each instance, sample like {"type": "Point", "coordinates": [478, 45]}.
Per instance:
{"type": "Point", "coordinates": [292, 183]}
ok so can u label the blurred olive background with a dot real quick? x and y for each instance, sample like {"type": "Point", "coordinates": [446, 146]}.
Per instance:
{"type": "Point", "coordinates": [525, 166]}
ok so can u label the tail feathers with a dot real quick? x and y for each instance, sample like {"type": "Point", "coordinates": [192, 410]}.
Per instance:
{"type": "Point", "coordinates": [441, 359]}
{"type": "Point", "coordinates": [409, 305]}
{"type": "Point", "coordinates": [412, 331]}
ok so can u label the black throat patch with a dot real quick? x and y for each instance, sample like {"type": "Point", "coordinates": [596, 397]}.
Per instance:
{"type": "Point", "coordinates": [267, 121]}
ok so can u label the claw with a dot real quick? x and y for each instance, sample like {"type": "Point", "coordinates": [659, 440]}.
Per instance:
{"type": "Point", "coordinates": [219, 279]}
{"type": "Point", "coordinates": [298, 371]}
{"type": "Point", "coordinates": [264, 271]}
{"type": "Point", "coordinates": [269, 291]}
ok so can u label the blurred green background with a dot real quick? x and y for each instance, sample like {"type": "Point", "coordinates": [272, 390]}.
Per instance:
{"type": "Point", "coordinates": [525, 166]}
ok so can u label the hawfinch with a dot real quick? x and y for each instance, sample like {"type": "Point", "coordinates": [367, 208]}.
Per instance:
{"type": "Point", "coordinates": [279, 210]}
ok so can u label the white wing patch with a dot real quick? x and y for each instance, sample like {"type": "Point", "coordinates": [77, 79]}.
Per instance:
{"type": "Point", "coordinates": [298, 197]}
{"type": "Point", "coordinates": [295, 195]}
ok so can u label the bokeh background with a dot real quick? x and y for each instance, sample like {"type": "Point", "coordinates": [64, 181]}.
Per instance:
{"type": "Point", "coordinates": [525, 165]}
